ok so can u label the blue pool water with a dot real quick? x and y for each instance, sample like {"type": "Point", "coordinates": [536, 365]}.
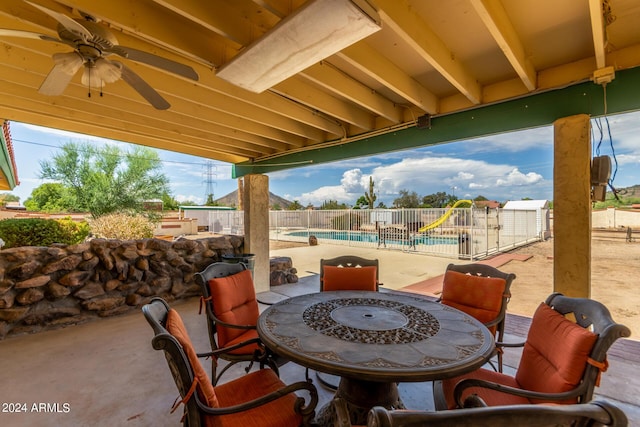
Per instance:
{"type": "Point", "coordinates": [362, 236]}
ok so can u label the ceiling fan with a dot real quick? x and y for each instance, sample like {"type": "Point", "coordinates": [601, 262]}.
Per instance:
{"type": "Point", "coordinates": [92, 44]}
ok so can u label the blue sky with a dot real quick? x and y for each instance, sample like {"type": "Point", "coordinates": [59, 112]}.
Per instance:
{"type": "Point", "coordinates": [502, 167]}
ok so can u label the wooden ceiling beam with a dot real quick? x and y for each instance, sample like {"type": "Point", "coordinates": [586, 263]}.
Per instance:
{"type": "Point", "coordinates": [27, 115]}
{"type": "Point", "coordinates": [14, 95]}
{"type": "Point", "coordinates": [496, 20]}
{"type": "Point", "coordinates": [332, 79]}
{"type": "Point", "coordinates": [403, 21]}
{"type": "Point", "coordinates": [296, 89]}
{"type": "Point", "coordinates": [376, 66]}
{"type": "Point", "coordinates": [598, 32]}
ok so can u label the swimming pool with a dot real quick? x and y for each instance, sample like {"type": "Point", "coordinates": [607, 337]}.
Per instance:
{"type": "Point", "coordinates": [372, 237]}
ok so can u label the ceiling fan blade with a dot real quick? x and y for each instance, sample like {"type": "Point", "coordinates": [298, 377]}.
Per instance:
{"type": "Point", "coordinates": [65, 21]}
{"type": "Point", "coordinates": [56, 81]}
{"type": "Point", "coordinates": [156, 61]}
{"type": "Point", "coordinates": [5, 32]}
{"type": "Point", "coordinates": [142, 87]}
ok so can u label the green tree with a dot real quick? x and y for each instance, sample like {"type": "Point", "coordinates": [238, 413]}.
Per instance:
{"type": "Point", "coordinates": [451, 199]}
{"type": "Point", "coordinates": [370, 196]}
{"type": "Point", "coordinates": [295, 206]}
{"type": "Point", "coordinates": [407, 200]}
{"type": "Point", "coordinates": [436, 200]}
{"type": "Point", "coordinates": [480, 199]}
{"type": "Point", "coordinates": [360, 203]}
{"type": "Point", "coordinates": [8, 197]}
{"type": "Point", "coordinates": [51, 197]}
{"type": "Point", "coordinates": [169, 203]}
{"type": "Point", "coordinates": [107, 179]}
{"type": "Point", "coordinates": [332, 204]}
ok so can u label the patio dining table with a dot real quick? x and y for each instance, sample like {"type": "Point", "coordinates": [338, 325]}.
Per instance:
{"type": "Point", "coordinates": [373, 340]}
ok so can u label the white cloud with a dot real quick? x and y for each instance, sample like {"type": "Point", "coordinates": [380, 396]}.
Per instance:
{"type": "Point", "coordinates": [515, 177]}
{"type": "Point", "coordinates": [352, 181]}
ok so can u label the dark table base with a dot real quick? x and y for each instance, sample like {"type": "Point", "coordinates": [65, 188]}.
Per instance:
{"type": "Point", "coordinates": [360, 396]}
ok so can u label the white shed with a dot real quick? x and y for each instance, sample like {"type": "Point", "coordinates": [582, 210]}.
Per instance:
{"type": "Point", "coordinates": [543, 215]}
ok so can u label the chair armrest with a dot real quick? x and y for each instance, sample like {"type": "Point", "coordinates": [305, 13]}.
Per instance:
{"type": "Point", "coordinates": [474, 401]}
{"type": "Point", "coordinates": [259, 355]}
{"type": "Point", "coordinates": [470, 382]}
{"type": "Point", "coordinates": [306, 409]}
{"type": "Point", "coordinates": [229, 325]}
{"type": "Point", "coordinates": [509, 344]}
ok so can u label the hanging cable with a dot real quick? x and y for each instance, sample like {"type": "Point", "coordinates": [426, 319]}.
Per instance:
{"type": "Point", "coordinates": [613, 151]}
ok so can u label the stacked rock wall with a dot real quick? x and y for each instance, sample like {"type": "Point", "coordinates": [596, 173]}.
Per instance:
{"type": "Point", "coordinates": [47, 287]}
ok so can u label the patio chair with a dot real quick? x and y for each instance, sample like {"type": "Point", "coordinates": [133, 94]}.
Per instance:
{"type": "Point", "coordinates": [258, 398]}
{"type": "Point", "coordinates": [481, 291]}
{"type": "Point", "coordinates": [232, 313]}
{"type": "Point", "coordinates": [596, 413]}
{"type": "Point", "coordinates": [346, 273]}
{"type": "Point", "coordinates": [561, 362]}
{"type": "Point", "coordinates": [349, 272]}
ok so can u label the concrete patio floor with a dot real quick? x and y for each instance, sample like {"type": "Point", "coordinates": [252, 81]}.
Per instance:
{"type": "Point", "coordinates": [105, 373]}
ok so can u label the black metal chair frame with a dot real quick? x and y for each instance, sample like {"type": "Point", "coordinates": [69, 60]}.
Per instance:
{"type": "Point", "coordinates": [156, 315]}
{"type": "Point", "coordinates": [483, 270]}
{"type": "Point", "coordinates": [218, 270]}
{"type": "Point", "coordinates": [587, 313]}
{"type": "Point", "coordinates": [595, 413]}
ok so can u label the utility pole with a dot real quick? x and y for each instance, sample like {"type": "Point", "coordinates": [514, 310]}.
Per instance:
{"type": "Point", "coordinates": [210, 178]}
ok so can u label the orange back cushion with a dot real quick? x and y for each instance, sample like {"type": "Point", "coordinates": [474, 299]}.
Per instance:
{"type": "Point", "coordinates": [481, 297]}
{"type": "Point", "coordinates": [176, 327]}
{"type": "Point", "coordinates": [349, 278]}
{"type": "Point", "coordinates": [234, 301]}
{"type": "Point", "coordinates": [555, 353]}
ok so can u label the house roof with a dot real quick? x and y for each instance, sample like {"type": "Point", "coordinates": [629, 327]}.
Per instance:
{"type": "Point", "coordinates": [436, 71]}
{"type": "Point", "coordinates": [8, 169]}
{"type": "Point", "coordinates": [526, 204]}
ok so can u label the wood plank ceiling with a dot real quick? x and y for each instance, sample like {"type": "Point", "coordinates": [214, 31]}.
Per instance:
{"type": "Point", "coordinates": [430, 57]}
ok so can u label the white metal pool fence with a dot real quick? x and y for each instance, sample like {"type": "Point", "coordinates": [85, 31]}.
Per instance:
{"type": "Point", "coordinates": [471, 233]}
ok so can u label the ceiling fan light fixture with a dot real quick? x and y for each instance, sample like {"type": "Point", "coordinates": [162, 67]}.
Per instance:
{"type": "Point", "coordinates": [69, 62]}
{"type": "Point", "coordinates": [317, 30]}
{"type": "Point", "coordinates": [107, 70]}
{"type": "Point", "coordinates": [91, 77]}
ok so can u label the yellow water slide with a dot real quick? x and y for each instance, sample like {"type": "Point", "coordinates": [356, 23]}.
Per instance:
{"type": "Point", "coordinates": [444, 217]}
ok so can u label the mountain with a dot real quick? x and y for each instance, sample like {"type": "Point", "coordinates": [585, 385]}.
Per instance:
{"type": "Point", "coordinates": [231, 199]}
{"type": "Point", "coordinates": [632, 192]}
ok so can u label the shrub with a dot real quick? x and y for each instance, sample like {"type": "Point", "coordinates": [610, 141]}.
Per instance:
{"type": "Point", "coordinates": [122, 226]}
{"type": "Point", "coordinates": [42, 232]}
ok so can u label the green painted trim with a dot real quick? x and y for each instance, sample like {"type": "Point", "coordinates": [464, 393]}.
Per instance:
{"type": "Point", "coordinates": [542, 109]}
{"type": "Point", "coordinates": [5, 162]}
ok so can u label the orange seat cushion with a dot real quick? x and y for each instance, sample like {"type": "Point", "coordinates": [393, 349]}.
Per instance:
{"type": "Point", "coordinates": [553, 361]}
{"type": "Point", "coordinates": [205, 390]}
{"type": "Point", "coordinates": [278, 413]}
{"type": "Point", "coordinates": [480, 297]}
{"type": "Point", "coordinates": [349, 278]}
{"type": "Point", "coordinates": [234, 301]}
{"type": "Point", "coordinates": [555, 353]}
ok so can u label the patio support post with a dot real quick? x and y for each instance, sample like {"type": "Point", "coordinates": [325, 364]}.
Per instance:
{"type": "Point", "coordinates": [256, 227]}
{"type": "Point", "coordinates": [572, 206]}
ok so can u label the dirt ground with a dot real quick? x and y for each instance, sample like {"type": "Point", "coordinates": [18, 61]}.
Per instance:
{"type": "Point", "coordinates": [615, 278]}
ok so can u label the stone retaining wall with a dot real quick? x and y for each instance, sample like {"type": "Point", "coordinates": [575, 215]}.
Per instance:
{"type": "Point", "coordinates": [47, 287]}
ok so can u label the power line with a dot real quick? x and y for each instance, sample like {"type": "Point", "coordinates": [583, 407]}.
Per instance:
{"type": "Point", "coordinates": [58, 147]}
